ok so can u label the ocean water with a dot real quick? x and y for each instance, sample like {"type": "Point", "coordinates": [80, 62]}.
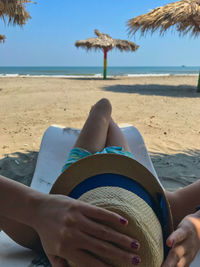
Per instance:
{"type": "Point", "coordinates": [96, 71]}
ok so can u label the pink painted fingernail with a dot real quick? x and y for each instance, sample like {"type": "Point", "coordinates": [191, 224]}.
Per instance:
{"type": "Point", "coordinates": [123, 221]}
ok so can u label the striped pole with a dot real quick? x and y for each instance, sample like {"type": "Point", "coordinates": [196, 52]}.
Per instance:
{"type": "Point", "coordinates": [198, 86]}
{"type": "Point", "coordinates": [105, 63]}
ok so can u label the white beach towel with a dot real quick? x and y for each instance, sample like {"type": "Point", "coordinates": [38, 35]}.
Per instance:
{"type": "Point", "coordinates": [56, 144]}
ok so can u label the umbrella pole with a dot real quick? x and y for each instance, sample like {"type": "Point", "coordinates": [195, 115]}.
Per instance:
{"type": "Point", "coordinates": [105, 63]}
{"type": "Point", "coordinates": [198, 86]}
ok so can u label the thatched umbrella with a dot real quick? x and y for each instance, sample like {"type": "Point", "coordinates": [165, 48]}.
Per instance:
{"type": "Point", "coordinates": [14, 11]}
{"type": "Point", "coordinates": [2, 38]}
{"type": "Point", "coordinates": [106, 43]}
{"type": "Point", "coordinates": [184, 15]}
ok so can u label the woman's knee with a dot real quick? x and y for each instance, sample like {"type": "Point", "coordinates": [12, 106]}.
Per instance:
{"type": "Point", "coordinates": [103, 106]}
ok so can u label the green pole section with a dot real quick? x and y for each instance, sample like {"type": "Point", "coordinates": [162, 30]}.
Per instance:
{"type": "Point", "coordinates": [198, 86]}
{"type": "Point", "coordinates": [105, 63]}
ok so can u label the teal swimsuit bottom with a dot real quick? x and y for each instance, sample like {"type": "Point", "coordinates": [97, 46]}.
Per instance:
{"type": "Point", "coordinates": [80, 153]}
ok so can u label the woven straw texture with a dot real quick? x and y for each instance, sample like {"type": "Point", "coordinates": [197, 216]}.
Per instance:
{"type": "Point", "coordinates": [2, 38]}
{"type": "Point", "coordinates": [182, 15]}
{"type": "Point", "coordinates": [105, 41]}
{"type": "Point", "coordinates": [143, 223]}
{"type": "Point", "coordinates": [14, 12]}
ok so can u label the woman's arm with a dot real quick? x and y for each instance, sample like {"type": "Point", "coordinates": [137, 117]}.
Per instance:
{"type": "Point", "coordinates": [22, 234]}
{"type": "Point", "coordinates": [185, 240]}
{"type": "Point", "coordinates": [67, 228]}
{"type": "Point", "coordinates": [184, 201]}
{"type": "Point", "coordinates": [18, 204]}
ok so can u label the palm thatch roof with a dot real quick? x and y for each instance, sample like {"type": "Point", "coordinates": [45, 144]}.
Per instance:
{"type": "Point", "coordinates": [184, 15]}
{"type": "Point", "coordinates": [105, 41]}
{"type": "Point", "coordinates": [15, 11]}
{"type": "Point", "coordinates": [2, 38]}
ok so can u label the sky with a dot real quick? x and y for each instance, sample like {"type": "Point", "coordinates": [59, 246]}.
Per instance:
{"type": "Point", "coordinates": [48, 38]}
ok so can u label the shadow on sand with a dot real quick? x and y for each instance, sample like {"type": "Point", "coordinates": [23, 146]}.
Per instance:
{"type": "Point", "coordinates": [155, 89]}
{"type": "Point", "coordinates": [19, 166]}
{"type": "Point", "coordinates": [177, 170]}
{"type": "Point", "coordinates": [92, 79]}
{"type": "Point", "coordinates": [174, 171]}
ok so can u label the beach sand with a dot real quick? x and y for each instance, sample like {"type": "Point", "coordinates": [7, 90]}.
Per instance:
{"type": "Point", "coordinates": [166, 110]}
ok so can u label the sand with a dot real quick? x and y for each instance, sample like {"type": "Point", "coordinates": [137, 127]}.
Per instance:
{"type": "Point", "coordinates": [166, 110]}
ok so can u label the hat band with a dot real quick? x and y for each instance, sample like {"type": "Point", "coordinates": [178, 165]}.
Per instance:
{"type": "Point", "coordinates": [109, 179]}
{"type": "Point", "coordinates": [117, 180]}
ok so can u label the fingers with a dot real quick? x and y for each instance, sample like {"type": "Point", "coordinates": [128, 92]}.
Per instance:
{"type": "Point", "coordinates": [185, 261]}
{"type": "Point", "coordinates": [174, 256]}
{"type": "Point", "coordinates": [61, 262]}
{"type": "Point", "coordinates": [176, 237]}
{"type": "Point", "coordinates": [106, 233]}
{"type": "Point", "coordinates": [180, 256]}
{"type": "Point", "coordinates": [57, 261]}
{"type": "Point", "coordinates": [85, 259]}
{"type": "Point", "coordinates": [185, 244]}
{"type": "Point", "coordinates": [182, 262]}
{"type": "Point", "coordinates": [107, 250]}
{"type": "Point", "coordinates": [103, 215]}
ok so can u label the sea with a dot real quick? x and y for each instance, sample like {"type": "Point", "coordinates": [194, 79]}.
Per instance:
{"type": "Point", "coordinates": [73, 72]}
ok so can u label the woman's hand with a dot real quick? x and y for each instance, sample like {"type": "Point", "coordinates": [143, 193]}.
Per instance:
{"type": "Point", "coordinates": [184, 242]}
{"type": "Point", "coordinates": [73, 230]}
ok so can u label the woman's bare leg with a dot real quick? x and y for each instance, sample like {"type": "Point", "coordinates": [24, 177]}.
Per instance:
{"type": "Point", "coordinates": [93, 136]}
{"type": "Point", "coordinates": [115, 137]}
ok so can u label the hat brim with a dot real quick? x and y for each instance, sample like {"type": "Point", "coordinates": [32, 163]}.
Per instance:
{"type": "Point", "coordinates": [115, 164]}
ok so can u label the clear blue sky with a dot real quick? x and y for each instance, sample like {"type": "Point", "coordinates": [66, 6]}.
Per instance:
{"type": "Point", "coordinates": [48, 38]}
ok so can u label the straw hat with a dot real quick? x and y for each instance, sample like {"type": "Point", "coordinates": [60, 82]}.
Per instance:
{"type": "Point", "coordinates": [121, 184]}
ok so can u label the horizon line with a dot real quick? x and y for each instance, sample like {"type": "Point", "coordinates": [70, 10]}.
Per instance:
{"type": "Point", "coordinates": [81, 66]}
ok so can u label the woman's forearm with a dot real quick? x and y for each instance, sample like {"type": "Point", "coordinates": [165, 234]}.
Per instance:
{"type": "Point", "coordinates": [17, 201]}
{"type": "Point", "coordinates": [184, 201]}
{"type": "Point", "coordinates": [18, 209]}
{"type": "Point", "coordinates": [22, 234]}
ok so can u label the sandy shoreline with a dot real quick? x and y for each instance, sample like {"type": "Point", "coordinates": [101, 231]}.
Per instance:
{"type": "Point", "coordinates": [166, 110]}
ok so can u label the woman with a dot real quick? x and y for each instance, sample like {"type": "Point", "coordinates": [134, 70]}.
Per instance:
{"type": "Point", "coordinates": [54, 222]}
